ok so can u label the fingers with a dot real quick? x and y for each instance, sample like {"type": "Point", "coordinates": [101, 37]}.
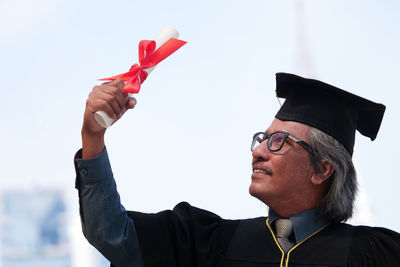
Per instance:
{"type": "Point", "coordinates": [110, 98]}
{"type": "Point", "coordinates": [114, 97]}
{"type": "Point", "coordinates": [117, 83]}
{"type": "Point", "coordinates": [100, 101]}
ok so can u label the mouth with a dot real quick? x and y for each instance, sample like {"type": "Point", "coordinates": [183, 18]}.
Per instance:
{"type": "Point", "coordinates": [262, 171]}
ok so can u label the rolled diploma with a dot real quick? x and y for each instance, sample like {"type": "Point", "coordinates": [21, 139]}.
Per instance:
{"type": "Point", "coordinates": [168, 32]}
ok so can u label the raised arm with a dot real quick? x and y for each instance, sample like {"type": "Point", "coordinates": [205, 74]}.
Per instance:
{"type": "Point", "coordinates": [105, 222]}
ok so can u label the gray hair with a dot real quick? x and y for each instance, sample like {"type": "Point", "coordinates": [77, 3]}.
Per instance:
{"type": "Point", "coordinates": [338, 203]}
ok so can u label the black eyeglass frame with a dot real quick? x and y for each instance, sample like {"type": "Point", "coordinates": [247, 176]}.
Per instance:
{"type": "Point", "coordinates": [287, 135]}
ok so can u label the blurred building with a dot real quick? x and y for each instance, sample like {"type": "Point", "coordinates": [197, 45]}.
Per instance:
{"type": "Point", "coordinates": [33, 229]}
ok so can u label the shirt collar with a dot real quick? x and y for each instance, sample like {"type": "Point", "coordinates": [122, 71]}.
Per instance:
{"type": "Point", "coordinates": [305, 223]}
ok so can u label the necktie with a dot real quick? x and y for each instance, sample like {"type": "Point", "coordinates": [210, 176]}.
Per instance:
{"type": "Point", "coordinates": [284, 229]}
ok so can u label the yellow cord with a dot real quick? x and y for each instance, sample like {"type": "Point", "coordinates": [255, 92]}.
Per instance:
{"type": "Point", "coordinates": [276, 241]}
{"type": "Point", "coordinates": [308, 237]}
{"type": "Point", "coordinates": [288, 254]}
{"type": "Point", "coordinates": [279, 101]}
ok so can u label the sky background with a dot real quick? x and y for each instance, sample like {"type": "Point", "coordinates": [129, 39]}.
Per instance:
{"type": "Point", "coordinates": [189, 136]}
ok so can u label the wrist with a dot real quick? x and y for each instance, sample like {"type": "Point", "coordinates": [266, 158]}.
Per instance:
{"type": "Point", "coordinates": [92, 144]}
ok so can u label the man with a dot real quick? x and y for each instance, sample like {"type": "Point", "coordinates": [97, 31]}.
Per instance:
{"type": "Point", "coordinates": [302, 169]}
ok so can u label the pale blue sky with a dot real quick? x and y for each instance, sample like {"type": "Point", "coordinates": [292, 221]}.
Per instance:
{"type": "Point", "coordinates": [189, 136]}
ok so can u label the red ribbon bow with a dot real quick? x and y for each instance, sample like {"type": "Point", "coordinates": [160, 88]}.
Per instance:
{"type": "Point", "coordinates": [148, 58]}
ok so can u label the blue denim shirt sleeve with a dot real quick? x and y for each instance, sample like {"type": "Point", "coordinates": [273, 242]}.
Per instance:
{"type": "Point", "coordinates": [105, 222]}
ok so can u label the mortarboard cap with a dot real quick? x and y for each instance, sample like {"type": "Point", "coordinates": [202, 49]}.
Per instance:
{"type": "Point", "coordinates": [332, 110]}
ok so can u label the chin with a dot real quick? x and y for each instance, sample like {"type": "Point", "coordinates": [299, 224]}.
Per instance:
{"type": "Point", "coordinates": [254, 191]}
{"type": "Point", "coordinates": [258, 193]}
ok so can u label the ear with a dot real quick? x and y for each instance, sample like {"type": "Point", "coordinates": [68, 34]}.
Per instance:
{"type": "Point", "coordinates": [322, 176]}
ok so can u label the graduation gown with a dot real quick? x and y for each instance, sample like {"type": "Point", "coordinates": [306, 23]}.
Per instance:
{"type": "Point", "coordinates": [192, 237]}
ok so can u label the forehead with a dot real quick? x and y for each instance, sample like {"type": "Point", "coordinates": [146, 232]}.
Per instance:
{"type": "Point", "coordinates": [297, 129]}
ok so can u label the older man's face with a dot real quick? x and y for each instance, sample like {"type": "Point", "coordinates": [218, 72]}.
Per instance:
{"type": "Point", "coordinates": [282, 178]}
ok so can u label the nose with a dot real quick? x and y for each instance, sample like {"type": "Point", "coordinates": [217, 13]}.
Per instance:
{"type": "Point", "coordinates": [261, 152]}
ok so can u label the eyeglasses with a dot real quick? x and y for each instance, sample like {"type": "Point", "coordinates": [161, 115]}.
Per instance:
{"type": "Point", "coordinates": [276, 140]}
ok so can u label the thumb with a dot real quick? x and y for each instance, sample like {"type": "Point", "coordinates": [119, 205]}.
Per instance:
{"type": "Point", "coordinates": [131, 103]}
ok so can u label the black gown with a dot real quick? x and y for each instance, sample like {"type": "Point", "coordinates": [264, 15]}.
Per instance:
{"type": "Point", "coordinates": [191, 237]}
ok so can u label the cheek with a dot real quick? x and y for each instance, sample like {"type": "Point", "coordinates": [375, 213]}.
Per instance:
{"type": "Point", "coordinates": [293, 174]}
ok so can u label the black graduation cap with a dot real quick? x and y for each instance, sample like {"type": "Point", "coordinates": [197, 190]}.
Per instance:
{"type": "Point", "coordinates": [332, 110]}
